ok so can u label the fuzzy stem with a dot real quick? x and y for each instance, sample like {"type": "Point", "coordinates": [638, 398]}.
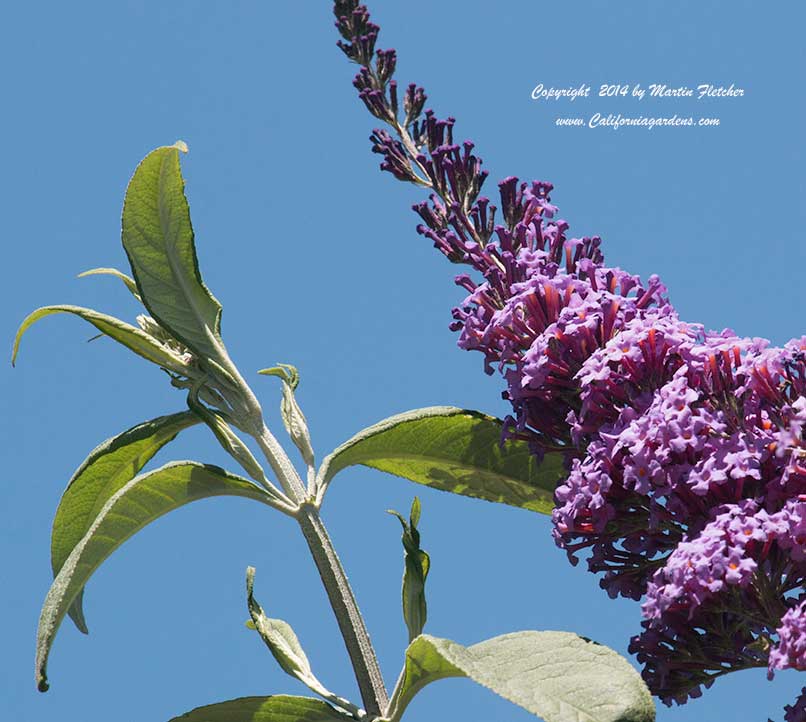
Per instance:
{"type": "Point", "coordinates": [351, 623]}
{"type": "Point", "coordinates": [275, 454]}
{"type": "Point", "coordinates": [348, 616]}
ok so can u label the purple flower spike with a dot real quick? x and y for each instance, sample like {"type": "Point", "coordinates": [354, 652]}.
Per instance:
{"type": "Point", "coordinates": [685, 448]}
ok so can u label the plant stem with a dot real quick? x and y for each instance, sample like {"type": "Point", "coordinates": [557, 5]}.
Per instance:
{"type": "Point", "coordinates": [249, 418]}
{"type": "Point", "coordinates": [275, 454]}
{"type": "Point", "coordinates": [350, 621]}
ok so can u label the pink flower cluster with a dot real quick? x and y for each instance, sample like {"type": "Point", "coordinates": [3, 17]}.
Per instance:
{"type": "Point", "coordinates": [685, 448]}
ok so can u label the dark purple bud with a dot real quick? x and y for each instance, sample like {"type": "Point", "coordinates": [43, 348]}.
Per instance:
{"type": "Point", "coordinates": [352, 21]}
{"type": "Point", "coordinates": [343, 10]}
{"type": "Point", "coordinates": [464, 281]}
{"type": "Point", "coordinates": [386, 60]}
{"type": "Point", "coordinates": [509, 201]}
{"type": "Point", "coordinates": [363, 80]}
{"type": "Point", "coordinates": [434, 132]}
{"type": "Point", "coordinates": [395, 159]}
{"type": "Point", "coordinates": [444, 241]}
{"type": "Point", "coordinates": [373, 98]}
{"type": "Point", "coordinates": [413, 104]}
{"type": "Point", "coordinates": [434, 214]}
{"type": "Point", "coordinates": [393, 97]}
{"type": "Point", "coordinates": [484, 223]}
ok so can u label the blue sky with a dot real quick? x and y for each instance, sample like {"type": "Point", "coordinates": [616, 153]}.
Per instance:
{"type": "Point", "coordinates": [313, 253]}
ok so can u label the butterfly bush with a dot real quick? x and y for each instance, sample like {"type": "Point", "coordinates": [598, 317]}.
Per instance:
{"type": "Point", "coordinates": [685, 450]}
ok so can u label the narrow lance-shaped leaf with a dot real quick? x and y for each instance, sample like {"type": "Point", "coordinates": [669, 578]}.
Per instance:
{"type": "Point", "coordinates": [416, 566]}
{"type": "Point", "coordinates": [158, 239]}
{"type": "Point", "coordinates": [229, 440]}
{"type": "Point", "coordinates": [279, 708]}
{"type": "Point", "coordinates": [453, 450]}
{"type": "Point", "coordinates": [139, 502]}
{"type": "Point", "coordinates": [557, 676]}
{"type": "Point", "coordinates": [293, 419]}
{"type": "Point", "coordinates": [278, 636]}
{"type": "Point", "coordinates": [130, 336]}
{"type": "Point", "coordinates": [128, 281]}
{"type": "Point", "coordinates": [108, 468]}
{"type": "Point", "coordinates": [284, 645]}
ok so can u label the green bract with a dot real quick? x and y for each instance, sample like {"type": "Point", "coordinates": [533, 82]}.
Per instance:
{"type": "Point", "coordinates": [416, 565]}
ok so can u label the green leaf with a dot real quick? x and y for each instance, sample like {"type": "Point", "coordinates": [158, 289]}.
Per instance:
{"type": "Point", "coordinates": [426, 661]}
{"type": "Point", "coordinates": [414, 515]}
{"type": "Point", "coordinates": [139, 502]}
{"type": "Point", "coordinates": [453, 450]}
{"type": "Point", "coordinates": [278, 708]}
{"type": "Point", "coordinates": [130, 336]}
{"type": "Point", "coordinates": [278, 635]}
{"type": "Point", "coordinates": [229, 440]}
{"type": "Point", "coordinates": [557, 676]}
{"type": "Point", "coordinates": [416, 566]}
{"type": "Point", "coordinates": [108, 467]}
{"type": "Point", "coordinates": [284, 645]}
{"type": "Point", "coordinates": [293, 419]}
{"type": "Point", "coordinates": [158, 239]}
{"type": "Point", "coordinates": [288, 373]}
{"type": "Point", "coordinates": [128, 281]}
